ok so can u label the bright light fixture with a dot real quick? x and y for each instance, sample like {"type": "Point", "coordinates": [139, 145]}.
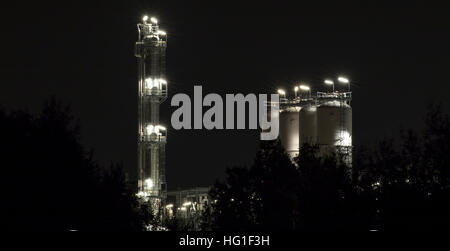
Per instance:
{"type": "Point", "coordinates": [150, 129]}
{"type": "Point", "coordinates": [149, 83]}
{"type": "Point", "coordinates": [187, 204]}
{"type": "Point", "coordinates": [305, 87]}
{"type": "Point", "coordinates": [145, 18]}
{"type": "Point", "coordinates": [155, 129]}
{"type": "Point", "coordinates": [343, 138]}
{"type": "Point", "coordinates": [154, 20]}
{"type": "Point", "coordinates": [343, 80]}
{"type": "Point", "coordinates": [162, 33]}
{"type": "Point", "coordinates": [328, 82]}
{"type": "Point", "coordinates": [155, 83]}
{"type": "Point", "coordinates": [281, 92]}
{"type": "Point", "coordinates": [169, 206]}
{"type": "Point", "coordinates": [149, 183]}
{"type": "Point", "coordinates": [296, 88]}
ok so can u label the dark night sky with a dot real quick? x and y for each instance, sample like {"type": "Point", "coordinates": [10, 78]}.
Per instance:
{"type": "Point", "coordinates": [395, 54]}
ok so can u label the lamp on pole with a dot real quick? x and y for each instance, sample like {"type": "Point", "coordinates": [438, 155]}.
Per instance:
{"type": "Point", "coordinates": [282, 93]}
{"type": "Point", "coordinates": [329, 82]}
{"type": "Point", "coordinates": [344, 80]}
{"type": "Point", "coordinates": [305, 88]}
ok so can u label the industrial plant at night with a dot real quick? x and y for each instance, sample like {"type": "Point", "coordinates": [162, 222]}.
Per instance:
{"type": "Point", "coordinates": [224, 123]}
{"type": "Point", "coordinates": [323, 119]}
{"type": "Point", "coordinates": [306, 117]}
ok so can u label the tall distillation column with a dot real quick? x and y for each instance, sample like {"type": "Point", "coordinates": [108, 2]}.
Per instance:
{"type": "Point", "coordinates": [150, 51]}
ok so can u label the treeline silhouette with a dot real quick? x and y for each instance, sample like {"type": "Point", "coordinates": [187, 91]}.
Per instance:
{"type": "Point", "coordinates": [392, 186]}
{"type": "Point", "coordinates": [50, 182]}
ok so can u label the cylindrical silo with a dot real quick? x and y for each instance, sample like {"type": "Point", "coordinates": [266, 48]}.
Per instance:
{"type": "Point", "coordinates": [308, 125]}
{"type": "Point", "coordinates": [289, 130]}
{"type": "Point", "coordinates": [334, 126]}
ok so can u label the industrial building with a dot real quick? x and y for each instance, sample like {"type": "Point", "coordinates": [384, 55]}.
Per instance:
{"type": "Point", "coordinates": [188, 205]}
{"type": "Point", "coordinates": [150, 51]}
{"type": "Point", "coordinates": [185, 199]}
{"type": "Point", "coordinates": [323, 119]}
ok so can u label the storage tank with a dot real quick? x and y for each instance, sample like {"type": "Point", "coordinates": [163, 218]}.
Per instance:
{"type": "Point", "coordinates": [308, 125]}
{"type": "Point", "coordinates": [289, 130]}
{"type": "Point", "coordinates": [334, 126]}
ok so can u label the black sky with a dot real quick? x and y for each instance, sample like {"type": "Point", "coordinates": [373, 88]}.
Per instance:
{"type": "Point", "coordinates": [396, 55]}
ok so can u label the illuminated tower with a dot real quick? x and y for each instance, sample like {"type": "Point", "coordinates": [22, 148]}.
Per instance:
{"type": "Point", "coordinates": [150, 51]}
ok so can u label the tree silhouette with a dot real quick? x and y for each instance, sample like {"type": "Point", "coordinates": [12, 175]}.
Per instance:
{"type": "Point", "coordinates": [390, 187]}
{"type": "Point", "coordinates": [49, 182]}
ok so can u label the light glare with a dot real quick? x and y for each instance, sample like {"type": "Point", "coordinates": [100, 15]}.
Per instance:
{"type": "Point", "coordinates": [328, 82]}
{"type": "Point", "coordinates": [149, 183]}
{"type": "Point", "coordinates": [305, 87]}
{"type": "Point", "coordinates": [155, 83]}
{"type": "Point", "coordinates": [155, 129]}
{"type": "Point", "coordinates": [343, 139]}
{"type": "Point", "coordinates": [343, 80]}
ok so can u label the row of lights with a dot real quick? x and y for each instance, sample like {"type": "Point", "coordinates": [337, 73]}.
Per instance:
{"type": "Point", "coordinates": [296, 89]}
{"type": "Point", "coordinates": [154, 21]}
{"type": "Point", "coordinates": [157, 82]}
{"type": "Point", "coordinates": [342, 80]}
{"type": "Point", "coordinates": [304, 87]}
{"type": "Point", "coordinates": [183, 208]}
{"type": "Point", "coordinates": [155, 129]}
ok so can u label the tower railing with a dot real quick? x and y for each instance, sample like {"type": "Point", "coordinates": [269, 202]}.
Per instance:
{"type": "Point", "coordinates": [334, 95]}
{"type": "Point", "coordinates": [156, 138]}
{"type": "Point", "coordinates": [156, 91]}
